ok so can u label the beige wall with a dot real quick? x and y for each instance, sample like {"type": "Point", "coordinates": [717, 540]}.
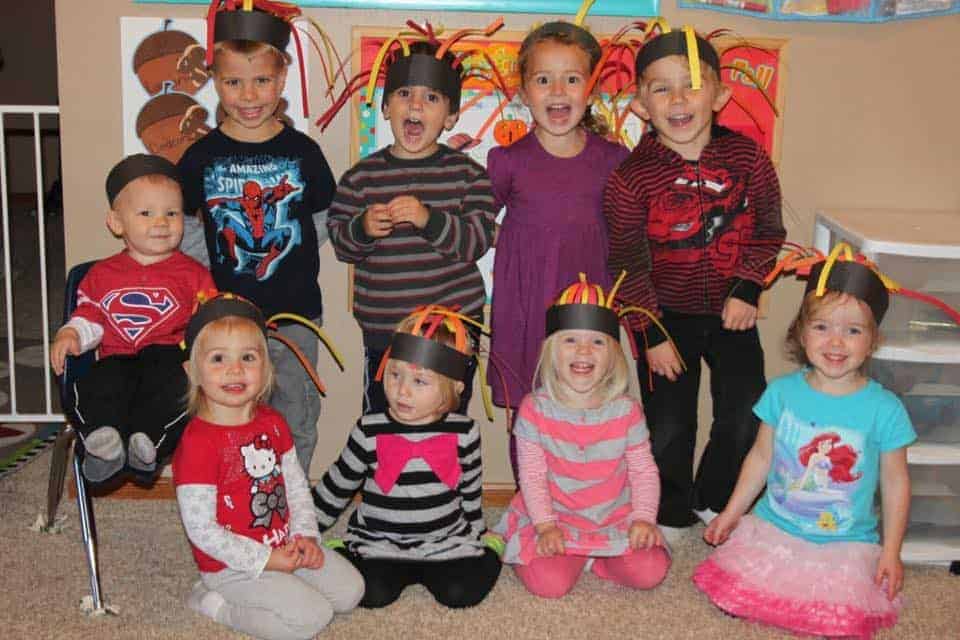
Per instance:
{"type": "Point", "coordinates": [869, 120]}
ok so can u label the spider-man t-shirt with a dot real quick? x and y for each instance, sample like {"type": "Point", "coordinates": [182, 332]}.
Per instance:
{"type": "Point", "coordinates": [258, 200]}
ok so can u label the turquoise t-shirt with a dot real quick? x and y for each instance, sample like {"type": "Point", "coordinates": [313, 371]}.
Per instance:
{"type": "Point", "coordinates": [826, 457]}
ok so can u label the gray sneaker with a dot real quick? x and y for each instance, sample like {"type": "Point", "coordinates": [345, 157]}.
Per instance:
{"type": "Point", "coordinates": [141, 452]}
{"type": "Point", "coordinates": [104, 454]}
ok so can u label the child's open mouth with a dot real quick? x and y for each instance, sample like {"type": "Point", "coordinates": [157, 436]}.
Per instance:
{"type": "Point", "coordinates": [558, 112]}
{"type": "Point", "coordinates": [412, 128]}
{"type": "Point", "coordinates": [238, 387]}
{"type": "Point", "coordinates": [582, 368]}
{"type": "Point", "coordinates": [250, 113]}
{"type": "Point", "coordinates": [681, 120]}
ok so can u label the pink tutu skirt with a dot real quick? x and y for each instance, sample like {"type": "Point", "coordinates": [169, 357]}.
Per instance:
{"type": "Point", "coordinates": [768, 576]}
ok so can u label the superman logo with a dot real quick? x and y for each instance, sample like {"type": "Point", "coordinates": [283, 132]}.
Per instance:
{"type": "Point", "coordinates": [134, 312]}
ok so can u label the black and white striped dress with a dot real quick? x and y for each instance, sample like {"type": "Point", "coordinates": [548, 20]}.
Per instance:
{"type": "Point", "coordinates": [420, 518]}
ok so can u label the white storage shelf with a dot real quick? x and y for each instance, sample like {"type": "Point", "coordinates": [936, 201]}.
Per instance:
{"type": "Point", "coordinates": [919, 357]}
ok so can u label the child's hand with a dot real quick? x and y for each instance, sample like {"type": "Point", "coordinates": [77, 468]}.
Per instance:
{"type": "Point", "coordinates": [66, 342]}
{"type": "Point", "coordinates": [311, 555]}
{"type": "Point", "coordinates": [720, 528]}
{"type": "Point", "coordinates": [408, 209]}
{"type": "Point", "coordinates": [549, 539]}
{"type": "Point", "coordinates": [738, 315]}
{"type": "Point", "coordinates": [663, 361]}
{"type": "Point", "coordinates": [644, 535]}
{"type": "Point", "coordinates": [377, 222]}
{"type": "Point", "coordinates": [285, 559]}
{"type": "Point", "coordinates": [890, 567]}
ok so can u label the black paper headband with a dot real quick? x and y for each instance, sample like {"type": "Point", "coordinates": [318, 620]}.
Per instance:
{"type": "Point", "coordinates": [222, 306]}
{"type": "Point", "coordinates": [137, 166]}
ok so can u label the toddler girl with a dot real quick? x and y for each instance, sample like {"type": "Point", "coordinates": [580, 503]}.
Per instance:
{"type": "Point", "coordinates": [551, 182]}
{"type": "Point", "coordinates": [418, 469]}
{"type": "Point", "coordinates": [808, 559]}
{"type": "Point", "coordinates": [242, 494]}
{"type": "Point", "coordinates": [589, 488]}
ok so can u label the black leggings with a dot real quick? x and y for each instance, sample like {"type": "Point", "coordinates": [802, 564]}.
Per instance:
{"type": "Point", "coordinates": [463, 582]}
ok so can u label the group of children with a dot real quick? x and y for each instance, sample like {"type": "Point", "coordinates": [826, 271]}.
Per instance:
{"type": "Point", "coordinates": [692, 215]}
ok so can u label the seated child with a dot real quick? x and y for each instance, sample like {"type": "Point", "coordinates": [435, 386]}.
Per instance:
{"type": "Point", "coordinates": [588, 485]}
{"type": "Point", "coordinates": [808, 558]}
{"type": "Point", "coordinates": [135, 306]}
{"type": "Point", "coordinates": [418, 468]}
{"type": "Point", "coordinates": [242, 494]}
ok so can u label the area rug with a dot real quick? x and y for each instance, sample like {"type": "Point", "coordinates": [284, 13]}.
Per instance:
{"type": "Point", "coordinates": [22, 442]}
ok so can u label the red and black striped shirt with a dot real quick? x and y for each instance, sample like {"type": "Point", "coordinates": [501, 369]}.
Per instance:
{"type": "Point", "coordinates": [691, 233]}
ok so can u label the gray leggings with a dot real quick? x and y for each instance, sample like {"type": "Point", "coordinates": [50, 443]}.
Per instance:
{"type": "Point", "coordinates": [287, 606]}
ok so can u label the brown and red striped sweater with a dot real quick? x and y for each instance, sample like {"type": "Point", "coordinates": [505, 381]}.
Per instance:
{"type": "Point", "coordinates": [413, 267]}
{"type": "Point", "coordinates": [691, 233]}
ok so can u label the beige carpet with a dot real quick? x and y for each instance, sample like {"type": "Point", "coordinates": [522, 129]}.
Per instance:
{"type": "Point", "coordinates": [147, 570]}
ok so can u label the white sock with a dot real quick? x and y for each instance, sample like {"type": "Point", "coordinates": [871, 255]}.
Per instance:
{"type": "Point", "coordinates": [208, 603]}
{"type": "Point", "coordinates": [706, 515]}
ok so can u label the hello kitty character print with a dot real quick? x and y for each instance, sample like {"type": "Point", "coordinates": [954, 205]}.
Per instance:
{"type": "Point", "coordinates": [267, 489]}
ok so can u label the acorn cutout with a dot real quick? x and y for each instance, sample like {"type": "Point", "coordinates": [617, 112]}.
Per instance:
{"type": "Point", "coordinates": [169, 123]}
{"type": "Point", "coordinates": [160, 59]}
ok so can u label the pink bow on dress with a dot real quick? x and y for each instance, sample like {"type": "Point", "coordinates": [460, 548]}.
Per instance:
{"type": "Point", "coordinates": [394, 452]}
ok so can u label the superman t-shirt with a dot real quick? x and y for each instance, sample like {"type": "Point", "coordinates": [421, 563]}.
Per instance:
{"type": "Point", "coordinates": [139, 305]}
{"type": "Point", "coordinates": [258, 200]}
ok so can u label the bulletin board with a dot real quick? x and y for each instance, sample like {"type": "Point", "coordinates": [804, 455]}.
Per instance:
{"type": "Point", "coordinates": [487, 117]}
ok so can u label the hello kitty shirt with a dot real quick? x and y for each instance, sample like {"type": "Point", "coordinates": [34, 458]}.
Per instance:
{"type": "Point", "coordinates": [241, 491]}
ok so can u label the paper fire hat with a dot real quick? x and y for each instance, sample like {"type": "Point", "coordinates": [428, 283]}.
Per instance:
{"type": "Point", "coordinates": [583, 305]}
{"type": "Point", "coordinates": [272, 23]}
{"type": "Point", "coordinates": [214, 305]}
{"type": "Point", "coordinates": [419, 347]}
{"type": "Point", "coordinates": [686, 43]}
{"type": "Point", "coordinates": [844, 271]}
{"type": "Point", "coordinates": [437, 67]}
{"type": "Point", "coordinates": [221, 305]}
{"type": "Point", "coordinates": [137, 166]}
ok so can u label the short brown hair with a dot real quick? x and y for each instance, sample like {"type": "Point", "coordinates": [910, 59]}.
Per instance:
{"type": "Point", "coordinates": [812, 304]}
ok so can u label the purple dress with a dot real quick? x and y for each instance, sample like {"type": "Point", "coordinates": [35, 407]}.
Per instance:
{"type": "Point", "coordinates": [553, 230]}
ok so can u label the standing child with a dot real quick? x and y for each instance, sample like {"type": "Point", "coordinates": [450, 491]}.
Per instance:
{"type": "Point", "coordinates": [128, 409]}
{"type": "Point", "coordinates": [694, 218]}
{"type": "Point", "coordinates": [554, 228]}
{"type": "Point", "coordinates": [418, 468]}
{"type": "Point", "coordinates": [807, 559]}
{"type": "Point", "coordinates": [588, 484]}
{"type": "Point", "coordinates": [243, 497]}
{"type": "Point", "coordinates": [414, 217]}
{"type": "Point", "coordinates": [261, 189]}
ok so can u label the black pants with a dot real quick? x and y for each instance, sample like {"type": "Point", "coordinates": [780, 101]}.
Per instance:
{"type": "Point", "coordinates": [454, 583]}
{"type": "Point", "coordinates": [374, 400]}
{"type": "Point", "coordinates": [145, 392]}
{"type": "Point", "coordinates": [737, 380]}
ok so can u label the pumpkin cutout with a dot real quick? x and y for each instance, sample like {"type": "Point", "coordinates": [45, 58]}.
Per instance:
{"type": "Point", "coordinates": [509, 131]}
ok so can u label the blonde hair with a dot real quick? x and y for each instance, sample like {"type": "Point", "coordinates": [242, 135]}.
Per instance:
{"type": "Point", "coordinates": [448, 386]}
{"type": "Point", "coordinates": [228, 324]}
{"type": "Point", "coordinates": [250, 48]}
{"type": "Point", "coordinates": [812, 305]}
{"type": "Point", "coordinates": [612, 384]}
